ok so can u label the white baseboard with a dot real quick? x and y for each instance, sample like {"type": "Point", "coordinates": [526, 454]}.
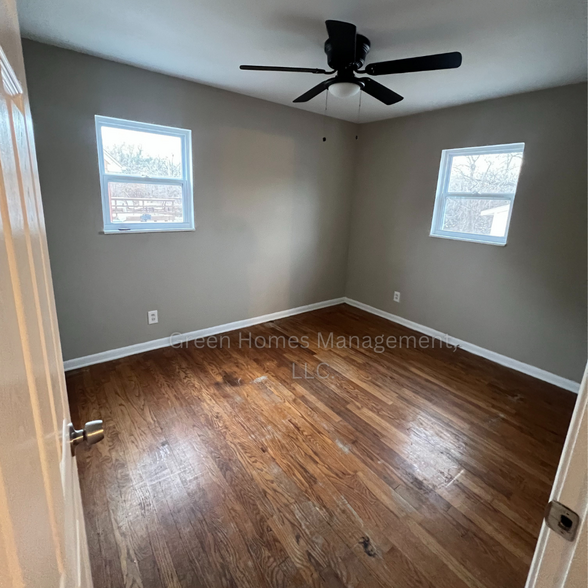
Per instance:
{"type": "Point", "coordinates": [525, 368]}
{"type": "Point", "coordinates": [79, 362]}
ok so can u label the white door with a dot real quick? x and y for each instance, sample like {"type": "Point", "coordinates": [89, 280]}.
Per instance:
{"type": "Point", "coordinates": [559, 563]}
{"type": "Point", "coordinates": [42, 537]}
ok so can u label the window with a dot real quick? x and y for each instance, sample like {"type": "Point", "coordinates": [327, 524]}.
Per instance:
{"type": "Point", "coordinates": [475, 193]}
{"type": "Point", "coordinates": [145, 176]}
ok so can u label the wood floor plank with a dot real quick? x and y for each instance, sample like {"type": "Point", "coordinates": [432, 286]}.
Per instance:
{"type": "Point", "coordinates": [277, 465]}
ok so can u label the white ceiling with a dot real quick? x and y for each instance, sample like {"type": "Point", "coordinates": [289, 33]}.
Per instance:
{"type": "Point", "coordinates": [508, 46]}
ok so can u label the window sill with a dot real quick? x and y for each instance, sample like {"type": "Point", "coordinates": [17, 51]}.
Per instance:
{"type": "Point", "coordinates": [482, 242]}
{"type": "Point", "coordinates": [143, 231]}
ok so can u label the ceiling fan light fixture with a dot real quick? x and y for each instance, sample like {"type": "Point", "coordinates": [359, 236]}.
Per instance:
{"type": "Point", "coordinates": [344, 89]}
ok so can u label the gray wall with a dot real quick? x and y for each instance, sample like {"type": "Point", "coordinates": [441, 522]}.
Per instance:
{"type": "Point", "coordinates": [526, 300]}
{"type": "Point", "coordinates": [272, 205]}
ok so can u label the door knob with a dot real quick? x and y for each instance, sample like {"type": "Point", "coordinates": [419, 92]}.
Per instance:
{"type": "Point", "coordinates": [92, 432]}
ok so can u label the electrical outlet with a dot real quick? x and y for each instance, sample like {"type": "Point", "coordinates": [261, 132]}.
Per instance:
{"type": "Point", "coordinates": [396, 296]}
{"type": "Point", "coordinates": [152, 317]}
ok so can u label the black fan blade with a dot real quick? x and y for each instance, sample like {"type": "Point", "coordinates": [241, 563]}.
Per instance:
{"type": "Point", "coordinates": [380, 92]}
{"type": "Point", "coordinates": [279, 68]}
{"type": "Point", "coordinates": [342, 36]}
{"type": "Point", "coordinates": [314, 91]}
{"type": "Point", "coordinates": [412, 64]}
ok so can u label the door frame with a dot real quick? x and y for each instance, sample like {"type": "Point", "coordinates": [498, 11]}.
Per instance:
{"type": "Point", "coordinates": [555, 560]}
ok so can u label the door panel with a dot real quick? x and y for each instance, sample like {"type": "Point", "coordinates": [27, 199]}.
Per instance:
{"type": "Point", "coordinates": [42, 536]}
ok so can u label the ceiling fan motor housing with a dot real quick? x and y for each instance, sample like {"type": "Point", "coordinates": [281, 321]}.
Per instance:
{"type": "Point", "coordinates": [362, 48]}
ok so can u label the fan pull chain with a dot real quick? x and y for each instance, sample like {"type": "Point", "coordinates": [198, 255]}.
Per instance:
{"type": "Point", "coordinates": [358, 111]}
{"type": "Point", "coordinates": [325, 116]}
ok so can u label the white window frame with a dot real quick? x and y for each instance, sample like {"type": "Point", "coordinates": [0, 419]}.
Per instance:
{"type": "Point", "coordinates": [443, 193]}
{"type": "Point", "coordinates": [185, 181]}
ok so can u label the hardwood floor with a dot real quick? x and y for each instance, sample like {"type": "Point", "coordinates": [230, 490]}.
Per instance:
{"type": "Point", "coordinates": [407, 468]}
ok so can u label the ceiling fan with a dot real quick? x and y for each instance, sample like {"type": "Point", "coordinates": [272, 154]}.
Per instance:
{"type": "Point", "coordinates": [346, 52]}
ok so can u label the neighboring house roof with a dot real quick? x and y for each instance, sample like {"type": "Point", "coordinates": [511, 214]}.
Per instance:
{"type": "Point", "coordinates": [496, 210]}
{"type": "Point", "coordinates": [111, 164]}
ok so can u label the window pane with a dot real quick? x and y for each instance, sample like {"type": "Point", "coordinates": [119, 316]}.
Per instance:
{"type": "Point", "coordinates": [486, 173]}
{"type": "Point", "coordinates": [140, 153]}
{"type": "Point", "coordinates": [476, 216]}
{"type": "Point", "coordinates": [145, 203]}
